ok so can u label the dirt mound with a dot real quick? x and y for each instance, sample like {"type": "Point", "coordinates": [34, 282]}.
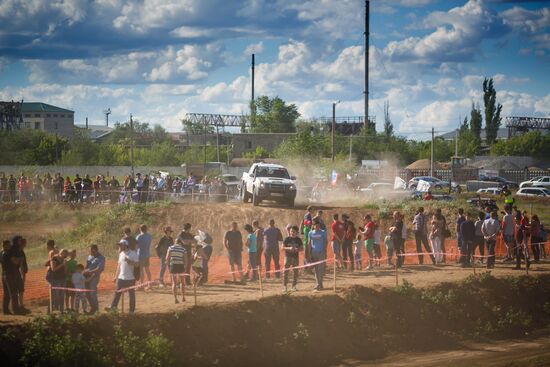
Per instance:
{"type": "Point", "coordinates": [362, 324]}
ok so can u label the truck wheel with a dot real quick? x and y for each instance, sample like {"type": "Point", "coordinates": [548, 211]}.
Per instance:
{"type": "Point", "coordinates": [245, 195]}
{"type": "Point", "coordinates": [255, 199]}
{"type": "Point", "coordinates": [291, 203]}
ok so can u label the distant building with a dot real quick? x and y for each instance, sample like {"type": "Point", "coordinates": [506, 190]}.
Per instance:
{"type": "Point", "coordinates": [48, 118]}
{"type": "Point", "coordinates": [502, 134]}
{"type": "Point", "coordinates": [96, 133]}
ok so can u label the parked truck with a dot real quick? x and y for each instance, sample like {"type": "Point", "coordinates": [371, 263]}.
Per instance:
{"type": "Point", "coordinates": [270, 182]}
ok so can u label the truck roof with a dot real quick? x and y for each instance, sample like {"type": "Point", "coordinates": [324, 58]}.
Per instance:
{"type": "Point", "coordinates": [273, 165]}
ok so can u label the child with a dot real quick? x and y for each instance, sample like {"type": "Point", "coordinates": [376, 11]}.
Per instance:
{"type": "Point", "coordinates": [251, 244]}
{"type": "Point", "coordinates": [71, 268]}
{"type": "Point", "coordinates": [198, 269]}
{"type": "Point", "coordinates": [79, 282]}
{"type": "Point", "coordinates": [357, 252]}
{"type": "Point", "coordinates": [376, 246]}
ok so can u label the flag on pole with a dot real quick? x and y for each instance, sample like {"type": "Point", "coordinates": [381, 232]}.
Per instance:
{"type": "Point", "coordinates": [399, 184]}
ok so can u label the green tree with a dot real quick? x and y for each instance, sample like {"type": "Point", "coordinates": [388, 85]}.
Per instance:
{"type": "Point", "coordinates": [273, 115]}
{"type": "Point", "coordinates": [476, 120]}
{"type": "Point", "coordinates": [533, 144]}
{"type": "Point", "coordinates": [258, 153]}
{"type": "Point", "coordinates": [82, 151]}
{"type": "Point", "coordinates": [194, 128]}
{"type": "Point", "coordinates": [388, 125]}
{"type": "Point", "coordinates": [492, 111]}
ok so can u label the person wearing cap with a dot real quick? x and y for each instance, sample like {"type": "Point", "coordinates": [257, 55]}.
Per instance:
{"type": "Point", "coordinates": [317, 239]}
{"type": "Point", "coordinates": [124, 276]}
{"type": "Point", "coordinates": [161, 249]}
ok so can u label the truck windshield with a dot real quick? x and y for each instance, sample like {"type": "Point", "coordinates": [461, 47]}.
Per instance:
{"type": "Point", "coordinates": [272, 172]}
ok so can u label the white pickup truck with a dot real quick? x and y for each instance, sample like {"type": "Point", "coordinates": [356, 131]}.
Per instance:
{"type": "Point", "coordinates": [268, 182]}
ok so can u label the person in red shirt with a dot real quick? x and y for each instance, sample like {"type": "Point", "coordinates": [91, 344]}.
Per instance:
{"type": "Point", "coordinates": [368, 237]}
{"type": "Point", "coordinates": [338, 233]}
{"type": "Point", "coordinates": [428, 196]}
{"type": "Point", "coordinates": [522, 240]}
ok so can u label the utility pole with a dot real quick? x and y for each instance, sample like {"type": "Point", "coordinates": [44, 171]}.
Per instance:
{"type": "Point", "coordinates": [432, 154]}
{"type": "Point", "coordinates": [132, 144]}
{"type": "Point", "coordinates": [456, 143]}
{"type": "Point", "coordinates": [252, 105]}
{"type": "Point", "coordinates": [367, 33]}
{"type": "Point", "coordinates": [333, 128]}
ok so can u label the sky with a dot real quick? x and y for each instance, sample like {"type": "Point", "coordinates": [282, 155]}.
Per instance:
{"type": "Point", "coordinates": [160, 59]}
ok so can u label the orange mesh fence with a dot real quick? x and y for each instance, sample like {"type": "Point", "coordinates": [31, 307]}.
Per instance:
{"type": "Point", "coordinates": [37, 288]}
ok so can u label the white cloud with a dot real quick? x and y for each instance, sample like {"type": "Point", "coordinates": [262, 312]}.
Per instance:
{"type": "Point", "coordinates": [457, 37]}
{"type": "Point", "coordinates": [529, 21]}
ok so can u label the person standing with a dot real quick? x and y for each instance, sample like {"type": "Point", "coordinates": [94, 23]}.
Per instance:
{"type": "Point", "coordinates": [338, 232]}
{"type": "Point", "coordinates": [347, 244]}
{"type": "Point", "coordinates": [259, 232]}
{"type": "Point", "coordinates": [144, 240]}
{"type": "Point", "coordinates": [317, 239]}
{"type": "Point", "coordinates": [3, 187]}
{"type": "Point", "coordinates": [459, 240]}
{"type": "Point", "coordinates": [436, 236]}
{"type": "Point", "coordinates": [59, 280]}
{"type": "Point", "coordinates": [128, 259]}
{"type": "Point", "coordinates": [272, 237]}
{"type": "Point", "coordinates": [175, 258]}
{"type": "Point", "coordinates": [522, 240]}
{"type": "Point", "coordinates": [12, 188]}
{"type": "Point", "coordinates": [508, 233]}
{"type": "Point", "coordinates": [479, 241]}
{"type": "Point", "coordinates": [292, 246]}
{"type": "Point", "coordinates": [79, 282]}
{"type": "Point", "coordinates": [252, 249]}
{"type": "Point", "coordinates": [536, 240]}
{"type": "Point", "coordinates": [233, 242]}
{"type": "Point", "coordinates": [114, 190]}
{"type": "Point", "coordinates": [490, 230]}
{"type": "Point", "coordinates": [162, 248]}
{"type": "Point", "coordinates": [396, 231]}
{"type": "Point", "coordinates": [6, 264]}
{"type": "Point", "coordinates": [445, 233]}
{"type": "Point", "coordinates": [421, 235]}
{"type": "Point", "coordinates": [187, 240]}
{"type": "Point", "coordinates": [23, 270]}
{"type": "Point", "coordinates": [95, 264]}
{"type": "Point", "coordinates": [368, 237]}
{"type": "Point", "coordinates": [467, 232]}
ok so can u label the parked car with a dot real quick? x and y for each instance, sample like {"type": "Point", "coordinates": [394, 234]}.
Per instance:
{"type": "Point", "coordinates": [501, 181]}
{"type": "Point", "coordinates": [433, 181]}
{"type": "Point", "coordinates": [489, 190]}
{"type": "Point", "coordinates": [540, 181]}
{"type": "Point", "coordinates": [533, 191]}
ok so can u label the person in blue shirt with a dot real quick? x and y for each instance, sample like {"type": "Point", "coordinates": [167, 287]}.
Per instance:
{"type": "Point", "coordinates": [317, 241]}
{"type": "Point", "coordinates": [251, 244]}
{"type": "Point", "coordinates": [95, 264]}
{"type": "Point", "coordinates": [144, 240]}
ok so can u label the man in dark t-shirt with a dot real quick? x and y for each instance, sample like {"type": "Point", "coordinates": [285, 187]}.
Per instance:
{"type": "Point", "coordinates": [11, 277]}
{"type": "Point", "coordinates": [396, 231]}
{"type": "Point", "coordinates": [233, 242]}
{"type": "Point", "coordinates": [188, 239]}
{"type": "Point", "coordinates": [292, 245]}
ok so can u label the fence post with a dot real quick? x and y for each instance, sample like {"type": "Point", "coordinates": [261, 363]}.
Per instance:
{"type": "Point", "coordinates": [334, 275]}
{"type": "Point", "coordinates": [195, 292]}
{"type": "Point", "coordinates": [260, 279]}
{"type": "Point", "coordinates": [474, 263]}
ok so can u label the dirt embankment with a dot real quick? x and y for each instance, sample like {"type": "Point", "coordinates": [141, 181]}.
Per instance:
{"type": "Point", "coordinates": [360, 324]}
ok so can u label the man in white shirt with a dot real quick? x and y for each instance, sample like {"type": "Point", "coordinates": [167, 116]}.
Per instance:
{"type": "Point", "coordinates": [490, 229]}
{"type": "Point", "coordinates": [128, 259]}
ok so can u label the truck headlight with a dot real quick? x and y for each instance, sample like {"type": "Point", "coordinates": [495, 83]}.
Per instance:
{"type": "Point", "coordinates": [262, 185]}
{"type": "Point", "coordinates": [292, 187]}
